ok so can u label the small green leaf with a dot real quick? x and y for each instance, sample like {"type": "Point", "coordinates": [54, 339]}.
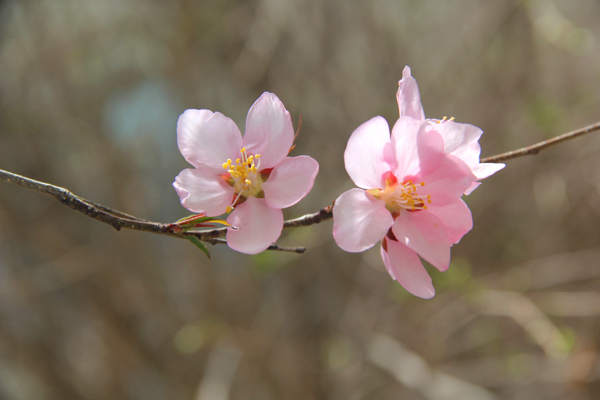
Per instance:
{"type": "Point", "coordinates": [198, 244]}
{"type": "Point", "coordinates": [198, 220]}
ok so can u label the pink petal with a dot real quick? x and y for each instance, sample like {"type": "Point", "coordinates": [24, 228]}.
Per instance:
{"type": "Point", "coordinates": [460, 140]}
{"type": "Point", "coordinates": [430, 146]}
{"type": "Point", "coordinates": [448, 182]}
{"type": "Point", "coordinates": [404, 265]}
{"type": "Point", "coordinates": [408, 96]}
{"type": "Point", "coordinates": [202, 191]}
{"type": "Point", "coordinates": [471, 188]}
{"type": "Point", "coordinates": [208, 139]}
{"type": "Point", "coordinates": [404, 141]}
{"type": "Point", "coordinates": [258, 226]}
{"type": "Point", "coordinates": [424, 233]}
{"type": "Point", "coordinates": [359, 220]}
{"type": "Point", "coordinates": [482, 171]}
{"type": "Point", "coordinates": [365, 157]}
{"type": "Point", "coordinates": [456, 217]}
{"type": "Point", "coordinates": [269, 130]}
{"type": "Point", "coordinates": [290, 181]}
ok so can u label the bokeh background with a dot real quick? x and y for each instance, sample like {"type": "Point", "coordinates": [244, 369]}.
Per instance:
{"type": "Point", "coordinates": [90, 92]}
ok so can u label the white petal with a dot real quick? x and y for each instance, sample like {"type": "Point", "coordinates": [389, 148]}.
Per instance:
{"type": "Point", "coordinates": [404, 141]}
{"type": "Point", "coordinates": [460, 140]}
{"type": "Point", "coordinates": [408, 96]}
{"type": "Point", "coordinates": [269, 130]}
{"type": "Point", "coordinates": [424, 233]}
{"type": "Point", "coordinates": [290, 181]}
{"type": "Point", "coordinates": [208, 139]}
{"type": "Point", "coordinates": [201, 191]}
{"type": "Point", "coordinates": [482, 171]}
{"type": "Point", "coordinates": [366, 153]}
{"type": "Point", "coordinates": [456, 217]}
{"type": "Point", "coordinates": [258, 226]}
{"type": "Point", "coordinates": [404, 265]}
{"type": "Point", "coordinates": [359, 220]}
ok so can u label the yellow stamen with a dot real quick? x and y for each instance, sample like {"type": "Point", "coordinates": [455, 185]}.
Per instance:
{"type": "Point", "coordinates": [445, 119]}
{"type": "Point", "coordinates": [402, 196]}
{"type": "Point", "coordinates": [245, 177]}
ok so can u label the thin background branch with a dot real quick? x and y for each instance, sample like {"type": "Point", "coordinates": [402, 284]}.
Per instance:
{"type": "Point", "coordinates": [536, 148]}
{"type": "Point", "coordinates": [118, 219]}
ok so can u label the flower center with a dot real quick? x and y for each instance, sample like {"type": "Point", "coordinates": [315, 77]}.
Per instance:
{"type": "Point", "coordinates": [398, 196]}
{"type": "Point", "coordinates": [245, 177]}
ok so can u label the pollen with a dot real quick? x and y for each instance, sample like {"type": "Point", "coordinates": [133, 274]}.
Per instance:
{"type": "Point", "coordinates": [445, 119]}
{"type": "Point", "coordinates": [404, 196]}
{"type": "Point", "coordinates": [245, 176]}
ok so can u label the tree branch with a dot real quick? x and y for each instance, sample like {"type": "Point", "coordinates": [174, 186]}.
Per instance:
{"type": "Point", "coordinates": [536, 148]}
{"type": "Point", "coordinates": [118, 219]}
{"type": "Point", "coordinates": [114, 218]}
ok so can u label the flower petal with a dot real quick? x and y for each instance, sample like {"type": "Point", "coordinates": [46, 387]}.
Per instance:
{"type": "Point", "coordinates": [460, 140]}
{"type": "Point", "coordinates": [424, 233]}
{"type": "Point", "coordinates": [404, 265]}
{"type": "Point", "coordinates": [202, 191]}
{"type": "Point", "coordinates": [482, 171]}
{"type": "Point", "coordinates": [290, 181]}
{"type": "Point", "coordinates": [404, 141]}
{"type": "Point", "coordinates": [208, 139]}
{"type": "Point", "coordinates": [448, 182]}
{"type": "Point", "coordinates": [456, 217]}
{"type": "Point", "coordinates": [430, 146]}
{"type": "Point", "coordinates": [269, 130]}
{"type": "Point", "coordinates": [471, 188]}
{"type": "Point", "coordinates": [365, 157]}
{"type": "Point", "coordinates": [258, 226]}
{"type": "Point", "coordinates": [408, 96]}
{"type": "Point", "coordinates": [359, 220]}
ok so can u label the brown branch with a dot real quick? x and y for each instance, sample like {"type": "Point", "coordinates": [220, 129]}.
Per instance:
{"type": "Point", "coordinates": [274, 247]}
{"type": "Point", "coordinates": [536, 148]}
{"type": "Point", "coordinates": [310, 219]}
{"type": "Point", "coordinates": [118, 219]}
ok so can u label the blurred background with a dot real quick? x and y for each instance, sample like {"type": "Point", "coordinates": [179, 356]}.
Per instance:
{"type": "Point", "coordinates": [90, 92]}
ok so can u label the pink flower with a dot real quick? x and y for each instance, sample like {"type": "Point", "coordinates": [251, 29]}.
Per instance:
{"type": "Point", "coordinates": [252, 177]}
{"type": "Point", "coordinates": [414, 180]}
{"type": "Point", "coordinates": [461, 140]}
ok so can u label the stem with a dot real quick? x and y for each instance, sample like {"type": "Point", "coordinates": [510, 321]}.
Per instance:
{"type": "Point", "coordinates": [274, 247]}
{"type": "Point", "coordinates": [536, 148]}
{"type": "Point", "coordinates": [114, 218]}
{"type": "Point", "coordinates": [118, 219]}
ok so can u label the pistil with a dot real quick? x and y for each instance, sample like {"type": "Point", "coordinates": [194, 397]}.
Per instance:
{"type": "Point", "coordinates": [402, 196]}
{"type": "Point", "coordinates": [245, 177]}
